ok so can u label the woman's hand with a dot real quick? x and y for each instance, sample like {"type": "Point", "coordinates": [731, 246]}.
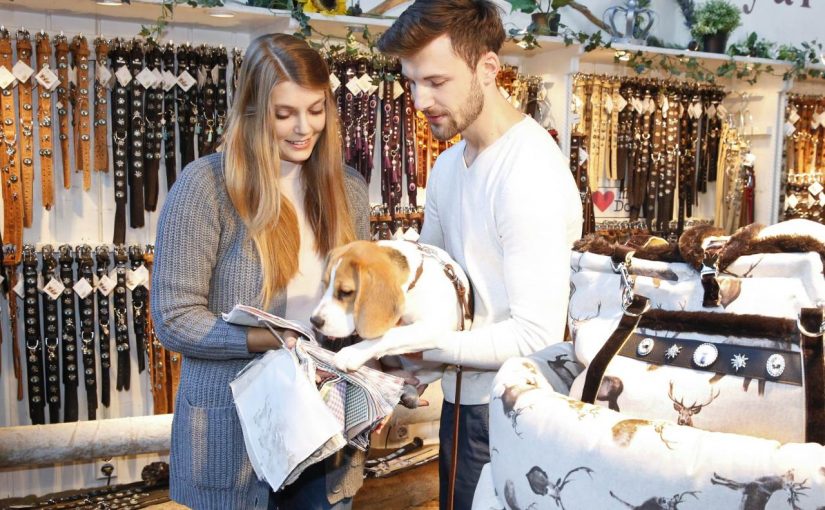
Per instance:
{"type": "Point", "coordinates": [261, 339]}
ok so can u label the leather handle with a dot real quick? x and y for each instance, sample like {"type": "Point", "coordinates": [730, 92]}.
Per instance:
{"type": "Point", "coordinates": [813, 360]}
{"type": "Point", "coordinates": [627, 324]}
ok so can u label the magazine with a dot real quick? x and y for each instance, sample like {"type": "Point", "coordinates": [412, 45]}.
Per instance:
{"type": "Point", "coordinates": [296, 408]}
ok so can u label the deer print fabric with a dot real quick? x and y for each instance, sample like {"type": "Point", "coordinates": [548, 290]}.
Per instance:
{"type": "Point", "coordinates": [562, 454]}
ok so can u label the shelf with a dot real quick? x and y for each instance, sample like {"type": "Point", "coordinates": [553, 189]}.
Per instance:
{"type": "Point", "coordinates": [234, 15]}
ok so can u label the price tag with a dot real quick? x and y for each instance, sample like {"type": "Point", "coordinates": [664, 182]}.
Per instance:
{"type": "Point", "coordinates": [789, 129]}
{"type": "Point", "coordinates": [815, 189]}
{"type": "Point", "coordinates": [215, 74]}
{"type": "Point", "coordinates": [136, 278]}
{"type": "Point", "coordinates": [169, 81]}
{"type": "Point", "coordinates": [353, 87]}
{"type": "Point", "coordinates": [397, 89]}
{"type": "Point", "coordinates": [793, 116]}
{"type": "Point", "coordinates": [186, 81]}
{"type": "Point", "coordinates": [158, 78]}
{"type": "Point", "coordinates": [22, 71]}
{"type": "Point", "coordinates": [146, 78]}
{"type": "Point", "coordinates": [6, 78]}
{"type": "Point", "coordinates": [365, 82]}
{"type": "Point", "coordinates": [54, 288]}
{"type": "Point", "coordinates": [103, 75]}
{"type": "Point", "coordinates": [124, 77]}
{"type": "Point", "coordinates": [82, 288]}
{"type": "Point", "coordinates": [621, 103]}
{"type": "Point", "coordinates": [608, 105]}
{"type": "Point", "coordinates": [18, 289]}
{"type": "Point", "coordinates": [73, 75]}
{"type": "Point", "coordinates": [792, 201]}
{"type": "Point", "coordinates": [583, 156]}
{"type": "Point", "coordinates": [334, 82]}
{"type": "Point", "coordinates": [106, 285]}
{"type": "Point", "coordinates": [47, 79]}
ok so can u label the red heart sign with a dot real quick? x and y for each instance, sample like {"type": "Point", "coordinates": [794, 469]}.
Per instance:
{"type": "Point", "coordinates": [603, 200]}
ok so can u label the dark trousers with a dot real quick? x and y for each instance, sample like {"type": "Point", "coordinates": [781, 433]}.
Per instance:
{"type": "Point", "coordinates": [308, 492]}
{"type": "Point", "coordinates": [473, 452]}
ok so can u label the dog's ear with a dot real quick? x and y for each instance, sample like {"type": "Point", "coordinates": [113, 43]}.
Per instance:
{"type": "Point", "coordinates": [379, 300]}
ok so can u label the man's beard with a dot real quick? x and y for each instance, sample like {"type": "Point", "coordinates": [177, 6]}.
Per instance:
{"type": "Point", "coordinates": [467, 114]}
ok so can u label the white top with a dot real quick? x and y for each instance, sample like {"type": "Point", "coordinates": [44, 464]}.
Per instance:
{"type": "Point", "coordinates": [510, 220]}
{"type": "Point", "coordinates": [304, 290]}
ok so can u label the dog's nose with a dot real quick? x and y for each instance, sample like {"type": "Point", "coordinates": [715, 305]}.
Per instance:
{"type": "Point", "coordinates": [317, 321]}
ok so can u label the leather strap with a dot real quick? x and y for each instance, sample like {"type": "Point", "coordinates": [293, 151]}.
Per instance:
{"type": "Point", "coordinates": [101, 162]}
{"type": "Point", "coordinates": [410, 168]}
{"type": "Point", "coordinates": [86, 310]}
{"type": "Point", "coordinates": [137, 131]}
{"type": "Point", "coordinates": [139, 308]}
{"type": "Point", "coordinates": [154, 128]}
{"type": "Point", "coordinates": [61, 52]}
{"type": "Point", "coordinates": [26, 104]}
{"type": "Point", "coordinates": [627, 324]}
{"type": "Point", "coordinates": [187, 106]}
{"type": "Point", "coordinates": [15, 341]}
{"type": "Point", "coordinates": [159, 369]}
{"type": "Point", "coordinates": [207, 98]}
{"type": "Point", "coordinates": [170, 118]}
{"type": "Point", "coordinates": [656, 184]}
{"type": "Point", "coordinates": [120, 135]}
{"type": "Point", "coordinates": [10, 163]}
{"type": "Point", "coordinates": [46, 128]}
{"type": "Point", "coordinates": [221, 104]}
{"type": "Point", "coordinates": [757, 357]}
{"type": "Point", "coordinates": [121, 320]}
{"type": "Point", "coordinates": [34, 345]}
{"type": "Point", "coordinates": [104, 262]}
{"type": "Point", "coordinates": [51, 337]}
{"type": "Point", "coordinates": [81, 111]}
{"type": "Point", "coordinates": [69, 336]}
{"type": "Point", "coordinates": [813, 359]}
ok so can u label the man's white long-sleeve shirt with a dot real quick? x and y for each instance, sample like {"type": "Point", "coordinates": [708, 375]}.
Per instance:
{"type": "Point", "coordinates": [509, 220]}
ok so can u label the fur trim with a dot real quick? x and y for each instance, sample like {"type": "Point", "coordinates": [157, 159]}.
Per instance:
{"type": "Point", "coordinates": [593, 243]}
{"type": "Point", "coordinates": [690, 243]}
{"type": "Point", "coordinates": [738, 245]}
{"type": "Point", "coordinates": [725, 324]}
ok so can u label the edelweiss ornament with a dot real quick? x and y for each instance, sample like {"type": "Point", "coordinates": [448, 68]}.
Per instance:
{"type": "Point", "coordinates": [673, 351]}
{"type": "Point", "coordinates": [739, 361]}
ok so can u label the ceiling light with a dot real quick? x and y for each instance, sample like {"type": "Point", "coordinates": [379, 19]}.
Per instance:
{"type": "Point", "coordinates": [110, 3]}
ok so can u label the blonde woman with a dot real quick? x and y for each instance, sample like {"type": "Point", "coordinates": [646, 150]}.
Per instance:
{"type": "Point", "coordinates": [252, 224]}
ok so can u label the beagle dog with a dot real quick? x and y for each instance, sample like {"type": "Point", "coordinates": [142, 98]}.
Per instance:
{"type": "Point", "coordinates": [372, 287]}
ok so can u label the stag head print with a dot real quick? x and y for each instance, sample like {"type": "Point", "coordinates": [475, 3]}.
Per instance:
{"type": "Point", "coordinates": [541, 484]}
{"type": "Point", "coordinates": [757, 493]}
{"type": "Point", "coordinates": [687, 412]}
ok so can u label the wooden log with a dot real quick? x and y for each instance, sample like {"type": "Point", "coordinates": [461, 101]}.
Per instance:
{"type": "Point", "coordinates": [35, 445]}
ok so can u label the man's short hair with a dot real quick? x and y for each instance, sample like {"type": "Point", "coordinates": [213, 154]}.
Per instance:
{"type": "Point", "coordinates": [474, 28]}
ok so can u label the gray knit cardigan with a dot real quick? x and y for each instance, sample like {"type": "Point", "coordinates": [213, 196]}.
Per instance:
{"type": "Point", "coordinates": [204, 265]}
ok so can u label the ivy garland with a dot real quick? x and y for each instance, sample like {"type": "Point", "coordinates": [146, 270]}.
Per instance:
{"type": "Point", "coordinates": [800, 58]}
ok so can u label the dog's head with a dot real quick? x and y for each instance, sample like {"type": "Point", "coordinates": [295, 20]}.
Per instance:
{"type": "Point", "coordinates": [364, 291]}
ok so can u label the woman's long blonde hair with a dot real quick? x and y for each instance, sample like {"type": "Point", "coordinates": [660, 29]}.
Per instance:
{"type": "Point", "coordinates": [253, 164]}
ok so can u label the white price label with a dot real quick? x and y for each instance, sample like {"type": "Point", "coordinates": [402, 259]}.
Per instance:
{"type": "Point", "coordinates": [792, 201]}
{"type": "Point", "coordinates": [146, 78]}
{"type": "Point", "coordinates": [608, 105]}
{"type": "Point", "coordinates": [54, 288]}
{"type": "Point", "coordinates": [82, 288]}
{"type": "Point", "coordinates": [73, 75]}
{"type": "Point", "coordinates": [103, 75]}
{"type": "Point", "coordinates": [334, 82]}
{"type": "Point", "coordinates": [793, 116]}
{"type": "Point", "coordinates": [397, 89]}
{"type": "Point", "coordinates": [352, 86]}
{"type": "Point", "coordinates": [158, 78]}
{"type": "Point", "coordinates": [124, 76]}
{"type": "Point", "coordinates": [18, 289]}
{"type": "Point", "coordinates": [22, 71]}
{"type": "Point", "coordinates": [47, 79]}
{"type": "Point", "coordinates": [6, 78]}
{"type": "Point", "coordinates": [106, 285]}
{"type": "Point", "coordinates": [789, 129]}
{"type": "Point", "coordinates": [169, 81]}
{"type": "Point", "coordinates": [215, 75]}
{"type": "Point", "coordinates": [186, 81]}
{"type": "Point", "coordinates": [136, 278]}
{"type": "Point", "coordinates": [815, 189]}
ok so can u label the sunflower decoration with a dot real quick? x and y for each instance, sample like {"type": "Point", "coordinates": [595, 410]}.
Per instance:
{"type": "Point", "coordinates": [329, 7]}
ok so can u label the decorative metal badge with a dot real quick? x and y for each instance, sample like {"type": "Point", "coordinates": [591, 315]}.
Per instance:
{"type": "Point", "coordinates": [775, 365]}
{"type": "Point", "coordinates": [673, 351]}
{"type": "Point", "coordinates": [645, 347]}
{"type": "Point", "coordinates": [739, 361]}
{"type": "Point", "coordinates": [705, 355]}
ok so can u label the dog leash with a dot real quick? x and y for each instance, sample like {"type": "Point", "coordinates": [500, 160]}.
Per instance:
{"type": "Point", "coordinates": [466, 313]}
